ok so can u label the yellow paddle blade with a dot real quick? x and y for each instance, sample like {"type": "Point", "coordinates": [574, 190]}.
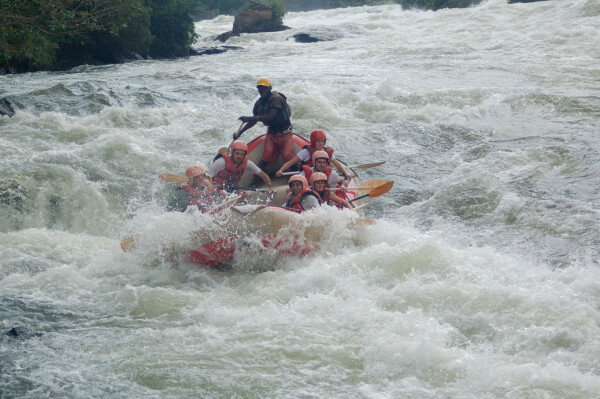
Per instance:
{"type": "Point", "coordinates": [128, 244]}
{"type": "Point", "coordinates": [366, 165]}
{"type": "Point", "coordinates": [362, 221]}
{"type": "Point", "coordinates": [170, 177]}
{"type": "Point", "coordinates": [371, 184]}
{"type": "Point", "coordinates": [380, 190]}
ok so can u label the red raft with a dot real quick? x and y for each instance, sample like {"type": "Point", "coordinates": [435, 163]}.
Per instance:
{"type": "Point", "coordinates": [263, 221]}
{"type": "Point", "coordinates": [222, 251]}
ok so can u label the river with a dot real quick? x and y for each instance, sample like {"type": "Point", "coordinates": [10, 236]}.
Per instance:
{"type": "Point", "coordinates": [480, 278]}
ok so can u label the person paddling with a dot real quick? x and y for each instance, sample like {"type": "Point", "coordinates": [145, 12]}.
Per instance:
{"type": "Point", "coordinates": [320, 161]}
{"type": "Point", "coordinates": [227, 170]}
{"type": "Point", "coordinates": [273, 111]}
{"type": "Point", "coordinates": [318, 138]}
{"type": "Point", "coordinates": [301, 197]}
{"type": "Point", "coordinates": [198, 192]}
{"type": "Point", "coordinates": [318, 182]}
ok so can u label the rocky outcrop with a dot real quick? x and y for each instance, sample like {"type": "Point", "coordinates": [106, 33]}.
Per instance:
{"type": "Point", "coordinates": [256, 18]}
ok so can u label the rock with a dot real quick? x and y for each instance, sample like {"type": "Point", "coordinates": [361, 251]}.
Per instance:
{"type": "Point", "coordinates": [213, 50]}
{"type": "Point", "coordinates": [223, 37]}
{"type": "Point", "coordinates": [255, 19]}
{"type": "Point", "coordinates": [305, 38]}
{"type": "Point", "coordinates": [6, 108]}
{"type": "Point", "coordinates": [319, 35]}
{"type": "Point", "coordinates": [22, 333]}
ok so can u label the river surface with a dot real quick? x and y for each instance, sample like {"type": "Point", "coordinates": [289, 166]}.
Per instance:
{"type": "Point", "coordinates": [480, 278]}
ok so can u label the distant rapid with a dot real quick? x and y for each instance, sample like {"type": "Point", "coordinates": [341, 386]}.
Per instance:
{"type": "Point", "coordinates": [479, 279]}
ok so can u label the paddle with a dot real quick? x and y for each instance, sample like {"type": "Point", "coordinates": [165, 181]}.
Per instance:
{"type": "Point", "coordinates": [128, 244]}
{"type": "Point", "coordinates": [237, 134]}
{"type": "Point", "coordinates": [365, 205]}
{"type": "Point", "coordinates": [366, 165]}
{"type": "Point", "coordinates": [258, 190]}
{"type": "Point", "coordinates": [225, 204]}
{"type": "Point", "coordinates": [170, 177]}
{"type": "Point", "coordinates": [250, 212]}
{"type": "Point", "coordinates": [366, 185]}
{"type": "Point", "coordinates": [376, 191]}
{"type": "Point", "coordinates": [359, 166]}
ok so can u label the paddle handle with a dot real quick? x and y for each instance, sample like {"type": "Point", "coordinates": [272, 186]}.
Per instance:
{"type": "Point", "coordinates": [258, 190]}
{"type": "Point", "coordinates": [290, 173]}
{"type": "Point", "coordinates": [360, 197]}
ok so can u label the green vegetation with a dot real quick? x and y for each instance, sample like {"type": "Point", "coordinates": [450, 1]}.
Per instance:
{"type": "Point", "coordinates": [54, 34]}
{"type": "Point", "coordinates": [57, 34]}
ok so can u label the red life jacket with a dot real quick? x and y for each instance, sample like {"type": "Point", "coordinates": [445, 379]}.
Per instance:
{"type": "Point", "coordinates": [308, 171]}
{"type": "Point", "coordinates": [232, 174]}
{"type": "Point", "coordinates": [324, 195]}
{"type": "Point", "coordinates": [311, 150]}
{"type": "Point", "coordinates": [205, 200]}
{"type": "Point", "coordinates": [294, 202]}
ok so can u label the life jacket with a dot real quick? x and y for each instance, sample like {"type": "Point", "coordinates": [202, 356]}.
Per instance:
{"type": "Point", "coordinates": [324, 195]}
{"type": "Point", "coordinates": [205, 200]}
{"type": "Point", "coordinates": [295, 202]}
{"type": "Point", "coordinates": [311, 150]}
{"type": "Point", "coordinates": [232, 174]}
{"type": "Point", "coordinates": [308, 171]}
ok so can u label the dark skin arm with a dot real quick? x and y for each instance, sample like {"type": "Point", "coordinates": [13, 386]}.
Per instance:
{"type": "Point", "coordinates": [252, 120]}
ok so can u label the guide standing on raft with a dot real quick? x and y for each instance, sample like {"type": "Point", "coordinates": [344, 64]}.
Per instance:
{"type": "Point", "coordinates": [272, 110]}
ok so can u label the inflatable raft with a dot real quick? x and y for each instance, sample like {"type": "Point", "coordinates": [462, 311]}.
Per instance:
{"type": "Point", "coordinates": [278, 229]}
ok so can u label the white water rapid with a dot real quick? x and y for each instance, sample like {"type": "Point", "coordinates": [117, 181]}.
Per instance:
{"type": "Point", "coordinates": [480, 278]}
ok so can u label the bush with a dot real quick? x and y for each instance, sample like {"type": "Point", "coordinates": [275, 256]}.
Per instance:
{"type": "Point", "coordinates": [41, 34]}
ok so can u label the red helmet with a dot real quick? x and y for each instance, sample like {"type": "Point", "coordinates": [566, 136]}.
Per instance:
{"type": "Point", "coordinates": [299, 178]}
{"type": "Point", "coordinates": [317, 135]}
{"type": "Point", "coordinates": [317, 176]}
{"type": "Point", "coordinates": [239, 145]}
{"type": "Point", "coordinates": [195, 170]}
{"type": "Point", "coordinates": [319, 154]}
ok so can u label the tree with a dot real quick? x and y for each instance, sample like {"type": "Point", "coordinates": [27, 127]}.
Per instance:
{"type": "Point", "coordinates": [54, 34]}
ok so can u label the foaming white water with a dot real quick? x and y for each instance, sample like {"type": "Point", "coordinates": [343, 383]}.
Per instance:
{"type": "Point", "coordinates": [479, 278]}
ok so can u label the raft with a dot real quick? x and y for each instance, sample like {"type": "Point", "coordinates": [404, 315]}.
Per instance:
{"type": "Point", "coordinates": [264, 217]}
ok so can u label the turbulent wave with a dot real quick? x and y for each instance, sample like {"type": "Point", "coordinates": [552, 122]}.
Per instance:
{"type": "Point", "coordinates": [478, 280]}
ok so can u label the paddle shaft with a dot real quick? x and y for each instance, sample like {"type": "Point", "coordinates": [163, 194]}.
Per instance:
{"type": "Point", "coordinates": [359, 197]}
{"type": "Point", "coordinates": [358, 166]}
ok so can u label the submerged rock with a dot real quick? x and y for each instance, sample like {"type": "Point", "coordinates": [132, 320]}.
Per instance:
{"type": "Point", "coordinates": [213, 50]}
{"type": "Point", "coordinates": [21, 333]}
{"type": "Point", "coordinates": [305, 38]}
{"type": "Point", "coordinates": [6, 107]}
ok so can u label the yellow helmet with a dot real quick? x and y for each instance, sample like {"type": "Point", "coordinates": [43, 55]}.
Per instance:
{"type": "Point", "coordinates": [264, 82]}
